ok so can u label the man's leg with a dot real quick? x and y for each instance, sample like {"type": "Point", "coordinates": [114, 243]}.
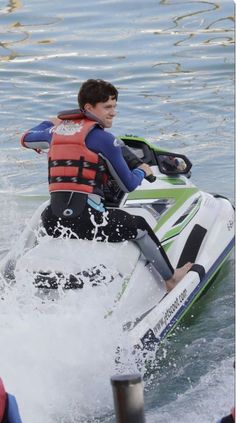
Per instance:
{"type": "Point", "coordinates": [123, 226]}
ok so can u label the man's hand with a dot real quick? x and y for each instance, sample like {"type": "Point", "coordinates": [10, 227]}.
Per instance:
{"type": "Point", "coordinates": [146, 169]}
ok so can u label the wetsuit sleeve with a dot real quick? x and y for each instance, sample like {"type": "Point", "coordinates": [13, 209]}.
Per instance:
{"type": "Point", "coordinates": [38, 137]}
{"type": "Point", "coordinates": [13, 414]}
{"type": "Point", "coordinates": [105, 144]}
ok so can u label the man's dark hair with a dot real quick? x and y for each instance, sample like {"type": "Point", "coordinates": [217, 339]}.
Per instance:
{"type": "Point", "coordinates": [95, 91]}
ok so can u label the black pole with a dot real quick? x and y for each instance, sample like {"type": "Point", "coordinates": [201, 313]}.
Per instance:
{"type": "Point", "coordinates": [128, 398]}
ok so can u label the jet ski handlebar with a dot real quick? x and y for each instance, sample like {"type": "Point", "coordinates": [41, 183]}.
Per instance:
{"type": "Point", "coordinates": [150, 178]}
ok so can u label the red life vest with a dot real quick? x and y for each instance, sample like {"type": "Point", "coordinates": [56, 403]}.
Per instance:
{"type": "Point", "coordinates": [72, 166]}
{"type": "Point", "coordinates": [3, 400]}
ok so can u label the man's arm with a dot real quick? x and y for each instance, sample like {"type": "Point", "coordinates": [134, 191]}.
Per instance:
{"type": "Point", "coordinates": [105, 144]}
{"type": "Point", "coordinates": [39, 137]}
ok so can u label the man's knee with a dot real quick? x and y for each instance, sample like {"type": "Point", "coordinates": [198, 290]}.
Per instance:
{"type": "Point", "coordinates": [141, 223]}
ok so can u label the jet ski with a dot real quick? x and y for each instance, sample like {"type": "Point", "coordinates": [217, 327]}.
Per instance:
{"type": "Point", "coordinates": [192, 225]}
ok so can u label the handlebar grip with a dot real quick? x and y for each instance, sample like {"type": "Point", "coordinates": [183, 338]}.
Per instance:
{"type": "Point", "coordinates": [150, 178]}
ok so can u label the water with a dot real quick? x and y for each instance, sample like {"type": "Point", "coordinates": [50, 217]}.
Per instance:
{"type": "Point", "coordinates": [173, 63]}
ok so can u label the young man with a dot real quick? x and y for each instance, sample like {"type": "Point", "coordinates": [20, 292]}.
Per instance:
{"type": "Point", "coordinates": [82, 157]}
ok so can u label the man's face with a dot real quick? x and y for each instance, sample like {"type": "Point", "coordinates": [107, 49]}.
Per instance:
{"type": "Point", "coordinates": [105, 112]}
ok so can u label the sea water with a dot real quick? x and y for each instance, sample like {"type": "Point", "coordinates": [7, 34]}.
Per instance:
{"type": "Point", "coordinates": [173, 63]}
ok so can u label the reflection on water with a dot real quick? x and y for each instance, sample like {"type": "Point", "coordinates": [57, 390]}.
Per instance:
{"type": "Point", "coordinates": [225, 20]}
{"type": "Point", "coordinates": [171, 67]}
{"type": "Point", "coordinates": [213, 7]}
{"type": "Point", "coordinates": [192, 27]}
{"type": "Point", "coordinates": [40, 21]}
{"type": "Point", "coordinates": [12, 6]}
{"type": "Point", "coordinates": [6, 53]}
{"type": "Point", "coordinates": [15, 31]}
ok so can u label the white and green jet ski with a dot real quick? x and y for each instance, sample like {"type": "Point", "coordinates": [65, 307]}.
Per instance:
{"type": "Point", "coordinates": [192, 225]}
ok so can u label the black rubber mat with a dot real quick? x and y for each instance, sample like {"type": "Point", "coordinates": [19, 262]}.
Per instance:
{"type": "Point", "coordinates": [192, 245]}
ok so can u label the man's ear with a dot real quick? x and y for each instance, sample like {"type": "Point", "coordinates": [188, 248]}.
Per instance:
{"type": "Point", "coordinates": [88, 107]}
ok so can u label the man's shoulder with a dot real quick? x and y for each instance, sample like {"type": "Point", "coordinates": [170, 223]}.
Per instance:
{"type": "Point", "coordinates": [100, 133]}
{"type": "Point", "coordinates": [100, 139]}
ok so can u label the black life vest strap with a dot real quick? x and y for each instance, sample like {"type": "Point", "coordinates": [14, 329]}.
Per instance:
{"type": "Point", "coordinates": [99, 177]}
{"type": "Point", "coordinates": [82, 164]}
{"type": "Point", "coordinates": [72, 179]}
